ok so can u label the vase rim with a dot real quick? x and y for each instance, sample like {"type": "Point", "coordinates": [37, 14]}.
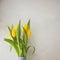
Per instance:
{"type": "Point", "coordinates": [22, 56]}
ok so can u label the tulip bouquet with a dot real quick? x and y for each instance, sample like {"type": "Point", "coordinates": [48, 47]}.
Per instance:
{"type": "Point", "coordinates": [19, 37]}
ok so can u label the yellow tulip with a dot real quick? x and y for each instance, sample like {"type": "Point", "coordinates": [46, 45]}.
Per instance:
{"type": "Point", "coordinates": [25, 26]}
{"type": "Point", "coordinates": [13, 32]}
{"type": "Point", "coordinates": [28, 33]}
{"type": "Point", "coordinates": [16, 27]}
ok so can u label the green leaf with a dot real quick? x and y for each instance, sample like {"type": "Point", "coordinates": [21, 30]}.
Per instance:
{"type": "Point", "coordinates": [12, 27]}
{"type": "Point", "coordinates": [9, 29]}
{"type": "Point", "coordinates": [25, 40]}
{"type": "Point", "coordinates": [11, 42]}
{"type": "Point", "coordinates": [10, 48]}
{"type": "Point", "coordinates": [18, 32]}
{"type": "Point", "coordinates": [24, 50]}
{"type": "Point", "coordinates": [28, 24]}
{"type": "Point", "coordinates": [25, 37]}
{"type": "Point", "coordinates": [32, 51]}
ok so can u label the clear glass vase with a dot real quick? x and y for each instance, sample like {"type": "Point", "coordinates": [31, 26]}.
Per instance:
{"type": "Point", "coordinates": [21, 58]}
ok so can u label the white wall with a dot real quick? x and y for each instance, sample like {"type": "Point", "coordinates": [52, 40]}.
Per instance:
{"type": "Point", "coordinates": [45, 25]}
